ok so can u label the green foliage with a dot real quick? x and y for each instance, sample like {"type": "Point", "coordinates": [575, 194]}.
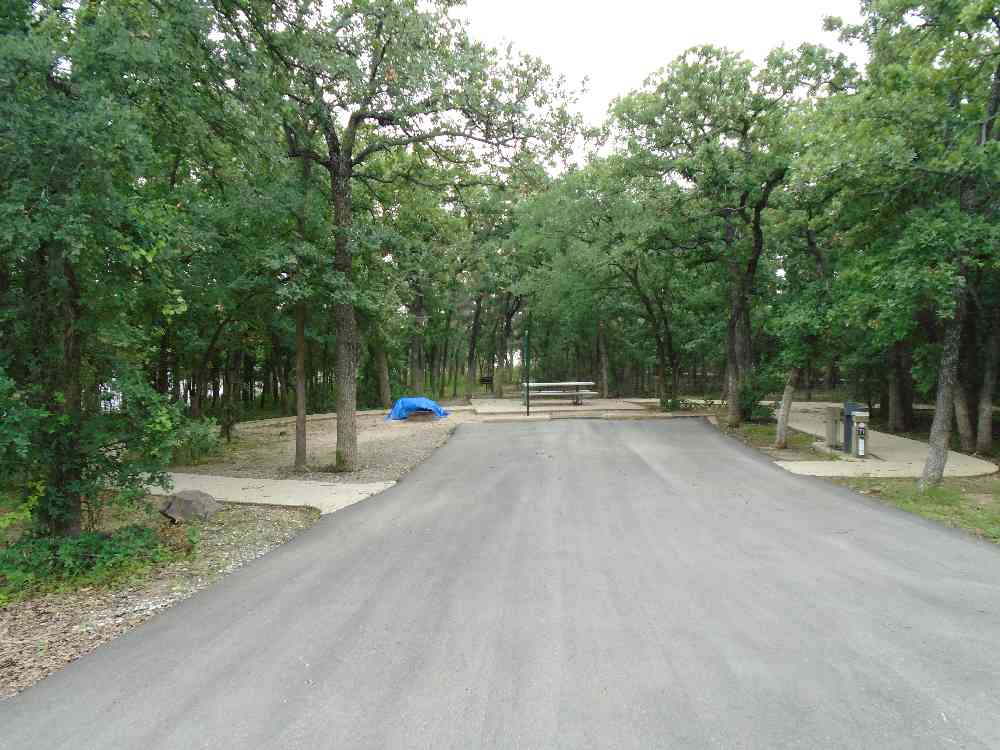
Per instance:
{"type": "Point", "coordinates": [38, 563]}
{"type": "Point", "coordinates": [753, 390]}
{"type": "Point", "coordinates": [111, 454]}
{"type": "Point", "coordinates": [19, 422]}
{"type": "Point", "coordinates": [197, 440]}
{"type": "Point", "coordinates": [792, 213]}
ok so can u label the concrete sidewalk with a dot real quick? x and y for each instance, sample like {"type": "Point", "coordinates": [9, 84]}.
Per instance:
{"type": "Point", "coordinates": [327, 497]}
{"type": "Point", "coordinates": [889, 455]}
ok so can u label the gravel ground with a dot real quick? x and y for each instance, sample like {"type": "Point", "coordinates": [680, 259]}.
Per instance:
{"type": "Point", "coordinates": [387, 450]}
{"type": "Point", "coordinates": [41, 635]}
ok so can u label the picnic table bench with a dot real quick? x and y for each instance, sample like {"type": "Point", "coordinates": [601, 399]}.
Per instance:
{"type": "Point", "coordinates": [574, 390]}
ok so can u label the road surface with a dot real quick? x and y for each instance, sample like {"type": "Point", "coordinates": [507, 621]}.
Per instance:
{"type": "Point", "coordinates": [569, 584]}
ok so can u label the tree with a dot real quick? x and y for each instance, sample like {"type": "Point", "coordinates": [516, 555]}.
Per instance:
{"type": "Point", "coordinates": [84, 255]}
{"type": "Point", "coordinates": [716, 126]}
{"type": "Point", "coordinates": [923, 126]}
{"type": "Point", "coordinates": [375, 77]}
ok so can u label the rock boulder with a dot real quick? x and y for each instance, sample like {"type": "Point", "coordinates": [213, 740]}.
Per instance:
{"type": "Point", "coordinates": [187, 504]}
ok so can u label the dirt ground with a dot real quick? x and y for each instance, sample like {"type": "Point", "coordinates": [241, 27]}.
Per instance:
{"type": "Point", "coordinates": [387, 450]}
{"type": "Point", "coordinates": [761, 436]}
{"type": "Point", "coordinates": [41, 635]}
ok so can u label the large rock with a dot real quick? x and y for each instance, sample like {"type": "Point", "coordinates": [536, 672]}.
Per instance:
{"type": "Point", "coordinates": [187, 504]}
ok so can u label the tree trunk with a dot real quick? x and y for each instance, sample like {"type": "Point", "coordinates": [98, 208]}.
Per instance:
{"type": "Point", "coordinates": [831, 376]}
{"type": "Point", "coordinates": [416, 346]}
{"type": "Point", "coordinates": [61, 514]}
{"type": "Point", "coordinates": [781, 435]}
{"type": "Point", "coordinates": [602, 353]}
{"type": "Point", "coordinates": [300, 386]}
{"type": "Point", "coordinates": [738, 354]}
{"type": "Point", "coordinates": [382, 373]}
{"type": "Point", "coordinates": [162, 363]}
{"type": "Point", "coordinates": [456, 368]}
{"type": "Point", "coordinates": [346, 325]}
{"type": "Point", "coordinates": [984, 436]}
{"type": "Point", "coordinates": [739, 358]}
{"type": "Point", "coordinates": [501, 372]}
{"type": "Point", "coordinates": [963, 418]}
{"type": "Point", "coordinates": [473, 336]}
{"type": "Point", "coordinates": [896, 390]}
{"type": "Point", "coordinates": [661, 371]}
{"type": "Point", "coordinates": [442, 380]}
{"type": "Point", "coordinates": [193, 396]}
{"type": "Point", "coordinates": [940, 436]}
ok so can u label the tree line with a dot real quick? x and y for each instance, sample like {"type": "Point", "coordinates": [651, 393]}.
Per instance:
{"type": "Point", "coordinates": [234, 208]}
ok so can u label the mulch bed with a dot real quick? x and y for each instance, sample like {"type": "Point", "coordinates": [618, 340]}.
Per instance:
{"type": "Point", "coordinates": [41, 635]}
{"type": "Point", "coordinates": [386, 450]}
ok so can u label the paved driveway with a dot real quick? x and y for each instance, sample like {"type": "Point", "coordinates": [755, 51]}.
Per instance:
{"type": "Point", "coordinates": [571, 584]}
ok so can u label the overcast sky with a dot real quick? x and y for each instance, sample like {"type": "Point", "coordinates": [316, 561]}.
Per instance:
{"type": "Point", "coordinates": [617, 43]}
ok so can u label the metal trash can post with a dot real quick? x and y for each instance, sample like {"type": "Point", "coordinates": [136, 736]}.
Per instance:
{"type": "Point", "coordinates": [832, 422]}
{"type": "Point", "coordinates": [849, 408]}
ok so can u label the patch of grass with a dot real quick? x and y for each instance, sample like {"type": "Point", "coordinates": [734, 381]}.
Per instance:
{"type": "Point", "coordinates": [762, 436]}
{"type": "Point", "coordinates": [969, 503]}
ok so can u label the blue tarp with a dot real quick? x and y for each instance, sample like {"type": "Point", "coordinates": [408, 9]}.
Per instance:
{"type": "Point", "coordinates": [405, 406]}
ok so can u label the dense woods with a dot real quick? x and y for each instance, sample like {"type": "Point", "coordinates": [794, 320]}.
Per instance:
{"type": "Point", "coordinates": [243, 208]}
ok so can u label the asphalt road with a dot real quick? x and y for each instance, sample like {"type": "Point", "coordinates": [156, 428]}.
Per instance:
{"type": "Point", "coordinates": [571, 584]}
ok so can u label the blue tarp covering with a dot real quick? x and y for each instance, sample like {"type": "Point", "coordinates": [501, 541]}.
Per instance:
{"type": "Point", "coordinates": [405, 406]}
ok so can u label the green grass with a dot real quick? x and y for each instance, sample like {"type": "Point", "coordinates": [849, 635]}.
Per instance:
{"type": "Point", "coordinates": [130, 542]}
{"type": "Point", "coordinates": [969, 503]}
{"type": "Point", "coordinates": [762, 435]}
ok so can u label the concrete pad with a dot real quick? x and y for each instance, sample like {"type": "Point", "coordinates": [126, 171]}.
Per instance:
{"type": "Point", "coordinates": [644, 402]}
{"type": "Point", "coordinates": [324, 496]}
{"type": "Point", "coordinates": [517, 418]}
{"type": "Point", "coordinates": [648, 414]}
{"type": "Point", "coordinates": [891, 455]}
{"type": "Point", "coordinates": [901, 457]}
{"type": "Point", "coordinates": [489, 407]}
{"type": "Point", "coordinates": [896, 469]}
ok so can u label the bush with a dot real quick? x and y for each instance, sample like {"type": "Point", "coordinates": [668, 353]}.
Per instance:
{"type": "Point", "coordinates": [40, 562]}
{"type": "Point", "coordinates": [58, 468]}
{"type": "Point", "coordinates": [753, 390]}
{"type": "Point", "coordinates": [197, 440]}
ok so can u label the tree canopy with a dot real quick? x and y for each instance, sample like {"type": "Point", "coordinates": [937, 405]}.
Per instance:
{"type": "Point", "coordinates": [233, 208]}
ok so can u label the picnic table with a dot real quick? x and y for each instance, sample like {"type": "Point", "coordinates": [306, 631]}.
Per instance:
{"type": "Point", "coordinates": [572, 389]}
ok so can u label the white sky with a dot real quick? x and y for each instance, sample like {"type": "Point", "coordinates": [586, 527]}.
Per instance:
{"type": "Point", "coordinates": [616, 44]}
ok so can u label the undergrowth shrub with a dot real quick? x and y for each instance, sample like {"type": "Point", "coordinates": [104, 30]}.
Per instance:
{"type": "Point", "coordinates": [41, 562]}
{"type": "Point", "coordinates": [755, 388]}
{"type": "Point", "coordinates": [197, 440]}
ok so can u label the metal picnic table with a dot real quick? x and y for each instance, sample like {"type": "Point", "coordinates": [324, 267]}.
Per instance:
{"type": "Point", "coordinates": [569, 389]}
